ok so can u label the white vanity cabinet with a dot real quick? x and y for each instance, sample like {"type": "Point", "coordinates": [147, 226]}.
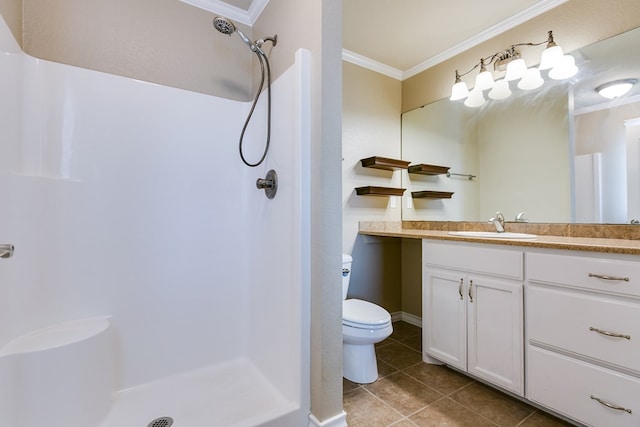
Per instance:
{"type": "Point", "coordinates": [473, 310]}
{"type": "Point", "coordinates": [583, 335]}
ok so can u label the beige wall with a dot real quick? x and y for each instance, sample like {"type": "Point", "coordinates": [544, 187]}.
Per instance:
{"type": "Point", "coordinates": [575, 24]}
{"type": "Point", "coordinates": [161, 41]}
{"type": "Point", "coordinates": [11, 11]}
{"type": "Point", "coordinates": [370, 127]}
{"type": "Point", "coordinates": [317, 26]}
{"type": "Point", "coordinates": [513, 149]}
{"type": "Point", "coordinates": [412, 277]}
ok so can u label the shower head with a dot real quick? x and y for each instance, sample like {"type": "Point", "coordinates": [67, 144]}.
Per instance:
{"type": "Point", "coordinates": [225, 26]}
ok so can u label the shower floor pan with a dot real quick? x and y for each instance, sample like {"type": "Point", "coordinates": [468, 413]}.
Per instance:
{"type": "Point", "coordinates": [231, 394]}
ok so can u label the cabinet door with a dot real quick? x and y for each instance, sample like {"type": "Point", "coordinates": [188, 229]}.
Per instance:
{"type": "Point", "coordinates": [444, 324]}
{"type": "Point", "coordinates": [495, 331]}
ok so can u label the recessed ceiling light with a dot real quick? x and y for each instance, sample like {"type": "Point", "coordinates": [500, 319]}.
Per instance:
{"type": "Point", "coordinates": [616, 88]}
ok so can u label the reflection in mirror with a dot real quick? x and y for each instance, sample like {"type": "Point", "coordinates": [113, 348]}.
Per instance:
{"type": "Point", "coordinates": [561, 153]}
{"type": "Point", "coordinates": [519, 165]}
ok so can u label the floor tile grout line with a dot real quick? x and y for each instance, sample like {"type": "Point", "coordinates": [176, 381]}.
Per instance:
{"type": "Point", "coordinates": [471, 381]}
{"type": "Point", "coordinates": [409, 347]}
{"type": "Point", "coordinates": [527, 417]}
{"type": "Point", "coordinates": [442, 396]}
{"type": "Point", "coordinates": [407, 417]}
{"type": "Point", "coordinates": [426, 406]}
{"type": "Point", "coordinates": [385, 403]}
{"type": "Point", "coordinates": [473, 410]}
{"type": "Point", "coordinates": [456, 402]}
{"type": "Point", "coordinates": [396, 340]}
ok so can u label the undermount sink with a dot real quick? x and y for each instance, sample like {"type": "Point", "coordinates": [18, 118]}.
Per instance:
{"type": "Point", "coordinates": [493, 235]}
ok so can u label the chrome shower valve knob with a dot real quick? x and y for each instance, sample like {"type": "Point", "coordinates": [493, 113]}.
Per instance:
{"type": "Point", "coordinates": [263, 184]}
{"type": "Point", "coordinates": [6, 250]}
{"type": "Point", "coordinates": [269, 184]}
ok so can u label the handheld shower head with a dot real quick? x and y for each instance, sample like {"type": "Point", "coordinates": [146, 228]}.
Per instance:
{"type": "Point", "coordinates": [225, 26]}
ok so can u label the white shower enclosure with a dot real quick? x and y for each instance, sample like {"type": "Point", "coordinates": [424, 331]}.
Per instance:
{"type": "Point", "coordinates": [150, 278]}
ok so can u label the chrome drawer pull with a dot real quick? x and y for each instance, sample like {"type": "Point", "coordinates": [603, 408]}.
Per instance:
{"type": "Point", "coordinates": [610, 405]}
{"type": "Point", "coordinates": [460, 289]}
{"type": "Point", "coordinates": [604, 277]}
{"type": "Point", "coordinates": [470, 286]}
{"type": "Point", "coordinates": [609, 334]}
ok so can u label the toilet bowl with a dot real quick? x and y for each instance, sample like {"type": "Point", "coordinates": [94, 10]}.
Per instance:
{"type": "Point", "coordinates": [363, 325]}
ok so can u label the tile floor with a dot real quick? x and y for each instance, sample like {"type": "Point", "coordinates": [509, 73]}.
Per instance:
{"type": "Point", "coordinates": [410, 393]}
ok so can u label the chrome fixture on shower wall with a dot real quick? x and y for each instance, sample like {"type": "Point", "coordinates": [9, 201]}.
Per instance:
{"type": "Point", "coordinates": [269, 184]}
{"type": "Point", "coordinates": [6, 250]}
{"type": "Point", "coordinates": [560, 67]}
{"type": "Point", "coordinates": [225, 26]}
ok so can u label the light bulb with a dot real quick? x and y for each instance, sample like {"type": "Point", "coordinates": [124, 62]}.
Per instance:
{"type": "Point", "coordinates": [616, 88]}
{"type": "Point", "coordinates": [500, 90]}
{"type": "Point", "coordinates": [531, 79]}
{"type": "Point", "coordinates": [564, 69]}
{"type": "Point", "coordinates": [475, 99]}
{"type": "Point", "coordinates": [515, 69]}
{"type": "Point", "coordinates": [550, 57]}
{"type": "Point", "coordinates": [459, 91]}
{"type": "Point", "coordinates": [484, 81]}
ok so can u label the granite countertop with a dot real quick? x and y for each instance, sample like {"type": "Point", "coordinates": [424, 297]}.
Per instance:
{"type": "Point", "coordinates": [551, 236]}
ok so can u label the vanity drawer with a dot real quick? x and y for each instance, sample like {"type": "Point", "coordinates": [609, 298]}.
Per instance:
{"type": "Point", "coordinates": [577, 271]}
{"type": "Point", "coordinates": [570, 387]}
{"type": "Point", "coordinates": [477, 259]}
{"type": "Point", "coordinates": [568, 320]}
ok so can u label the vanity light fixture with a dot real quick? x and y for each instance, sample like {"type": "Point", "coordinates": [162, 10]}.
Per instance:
{"type": "Point", "coordinates": [559, 66]}
{"type": "Point", "coordinates": [616, 88]}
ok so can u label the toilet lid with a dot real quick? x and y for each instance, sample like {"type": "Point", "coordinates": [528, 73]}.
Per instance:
{"type": "Point", "coordinates": [359, 313]}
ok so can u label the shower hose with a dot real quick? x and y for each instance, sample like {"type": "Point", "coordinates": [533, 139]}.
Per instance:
{"type": "Point", "coordinates": [264, 66]}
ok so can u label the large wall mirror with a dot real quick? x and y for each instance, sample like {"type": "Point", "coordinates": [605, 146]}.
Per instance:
{"type": "Point", "coordinates": [561, 153]}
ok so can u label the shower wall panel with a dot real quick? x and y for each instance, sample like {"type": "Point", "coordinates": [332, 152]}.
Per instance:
{"type": "Point", "coordinates": [125, 198]}
{"type": "Point", "coordinates": [279, 228]}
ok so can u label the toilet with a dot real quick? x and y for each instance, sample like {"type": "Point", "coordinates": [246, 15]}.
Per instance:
{"type": "Point", "coordinates": [363, 325]}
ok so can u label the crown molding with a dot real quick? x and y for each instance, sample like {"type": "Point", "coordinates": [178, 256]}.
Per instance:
{"type": "Point", "coordinates": [607, 105]}
{"type": "Point", "coordinates": [515, 20]}
{"type": "Point", "coordinates": [370, 64]}
{"type": "Point", "coordinates": [632, 122]}
{"type": "Point", "coordinates": [246, 17]}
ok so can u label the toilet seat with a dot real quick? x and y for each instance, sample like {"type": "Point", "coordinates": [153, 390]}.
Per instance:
{"type": "Point", "coordinates": [364, 315]}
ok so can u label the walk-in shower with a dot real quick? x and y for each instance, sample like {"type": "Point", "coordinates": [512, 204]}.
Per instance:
{"type": "Point", "coordinates": [225, 26]}
{"type": "Point", "coordinates": [100, 324]}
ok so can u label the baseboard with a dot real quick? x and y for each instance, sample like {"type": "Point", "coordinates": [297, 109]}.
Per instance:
{"type": "Point", "coordinates": [339, 420]}
{"type": "Point", "coordinates": [406, 317]}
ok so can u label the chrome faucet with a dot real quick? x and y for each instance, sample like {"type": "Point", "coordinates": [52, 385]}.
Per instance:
{"type": "Point", "coordinates": [521, 217]}
{"type": "Point", "coordinates": [498, 221]}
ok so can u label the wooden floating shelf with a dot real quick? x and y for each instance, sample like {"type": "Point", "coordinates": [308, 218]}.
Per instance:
{"type": "Point", "coordinates": [379, 191]}
{"type": "Point", "coordinates": [383, 163]}
{"type": "Point", "coordinates": [431, 194]}
{"type": "Point", "coordinates": [428, 169]}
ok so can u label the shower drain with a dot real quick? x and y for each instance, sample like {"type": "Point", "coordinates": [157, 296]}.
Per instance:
{"type": "Point", "coordinates": [161, 422]}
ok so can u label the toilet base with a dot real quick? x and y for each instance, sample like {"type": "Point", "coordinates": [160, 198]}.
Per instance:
{"type": "Point", "coordinates": [359, 363]}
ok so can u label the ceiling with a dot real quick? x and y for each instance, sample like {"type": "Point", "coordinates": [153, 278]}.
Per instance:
{"type": "Point", "coordinates": [402, 38]}
{"type": "Point", "coordinates": [241, 11]}
{"type": "Point", "coordinates": [405, 37]}
{"type": "Point", "coordinates": [413, 35]}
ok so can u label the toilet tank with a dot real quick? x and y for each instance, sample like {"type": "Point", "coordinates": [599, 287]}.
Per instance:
{"type": "Point", "coordinates": [346, 274]}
